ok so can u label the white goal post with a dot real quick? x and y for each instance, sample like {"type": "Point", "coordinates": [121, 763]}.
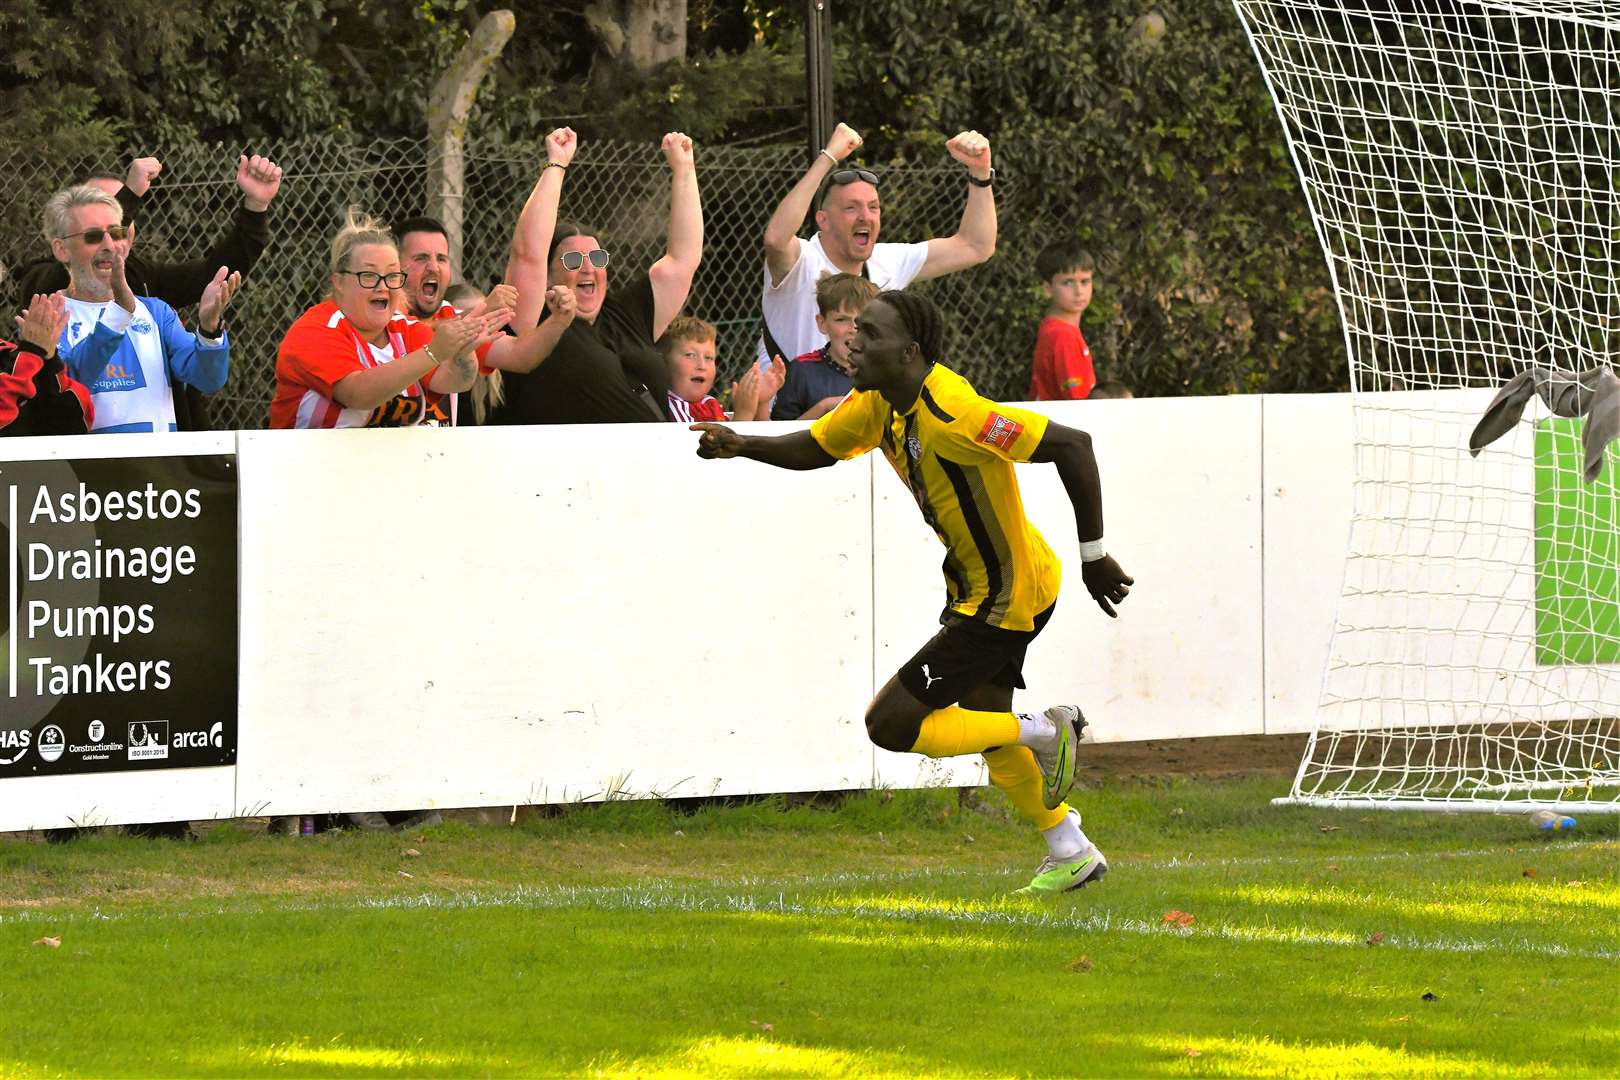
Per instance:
{"type": "Point", "coordinates": [1459, 158]}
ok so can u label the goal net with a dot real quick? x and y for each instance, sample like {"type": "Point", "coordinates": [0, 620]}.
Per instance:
{"type": "Point", "coordinates": [1460, 162]}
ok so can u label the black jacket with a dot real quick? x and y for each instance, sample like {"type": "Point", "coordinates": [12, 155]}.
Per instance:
{"type": "Point", "coordinates": [177, 284]}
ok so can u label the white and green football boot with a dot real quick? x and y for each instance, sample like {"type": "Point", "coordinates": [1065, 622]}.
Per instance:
{"type": "Point", "coordinates": [1057, 764]}
{"type": "Point", "coordinates": [1055, 876]}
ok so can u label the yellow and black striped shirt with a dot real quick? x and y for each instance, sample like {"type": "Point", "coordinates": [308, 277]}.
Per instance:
{"type": "Point", "coordinates": [955, 451]}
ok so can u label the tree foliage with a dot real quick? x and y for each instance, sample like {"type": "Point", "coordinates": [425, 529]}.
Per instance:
{"type": "Point", "coordinates": [1161, 152]}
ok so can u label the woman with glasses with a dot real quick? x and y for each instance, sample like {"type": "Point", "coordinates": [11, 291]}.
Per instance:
{"type": "Point", "coordinates": [350, 361]}
{"type": "Point", "coordinates": [604, 367]}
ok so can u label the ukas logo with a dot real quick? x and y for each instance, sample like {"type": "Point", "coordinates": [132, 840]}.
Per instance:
{"type": "Point", "coordinates": [148, 740]}
{"type": "Point", "coordinates": [1000, 431]}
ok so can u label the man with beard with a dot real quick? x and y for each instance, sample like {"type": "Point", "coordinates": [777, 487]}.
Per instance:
{"type": "Point", "coordinates": [848, 218]}
{"type": "Point", "coordinates": [129, 349]}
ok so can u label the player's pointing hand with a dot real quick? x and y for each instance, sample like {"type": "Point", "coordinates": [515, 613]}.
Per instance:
{"type": "Point", "coordinates": [717, 441]}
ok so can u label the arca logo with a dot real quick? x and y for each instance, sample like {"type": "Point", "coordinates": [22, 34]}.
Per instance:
{"type": "Point", "coordinates": [214, 736]}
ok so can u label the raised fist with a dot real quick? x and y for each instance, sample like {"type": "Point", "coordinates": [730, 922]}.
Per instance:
{"type": "Point", "coordinates": [142, 171]}
{"type": "Point", "coordinates": [844, 142]}
{"type": "Point", "coordinates": [560, 146]}
{"type": "Point", "coordinates": [260, 179]}
{"type": "Point", "coordinates": [677, 148]}
{"type": "Point", "coordinates": [972, 150]}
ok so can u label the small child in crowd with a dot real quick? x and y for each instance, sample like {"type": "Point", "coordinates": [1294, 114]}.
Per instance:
{"type": "Point", "coordinates": [1063, 370]}
{"type": "Point", "coordinates": [819, 380]}
{"type": "Point", "coordinates": [689, 347]}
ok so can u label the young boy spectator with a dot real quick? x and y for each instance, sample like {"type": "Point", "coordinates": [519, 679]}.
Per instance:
{"type": "Point", "coordinates": [819, 380]}
{"type": "Point", "coordinates": [1063, 370]}
{"type": "Point", "coordinates": [689, 350]}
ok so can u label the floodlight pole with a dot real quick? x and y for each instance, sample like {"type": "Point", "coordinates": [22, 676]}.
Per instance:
{"type": "Point", "coordinates": [818, 72]}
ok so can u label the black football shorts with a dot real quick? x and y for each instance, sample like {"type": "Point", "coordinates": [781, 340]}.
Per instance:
{"type": "Point", "coordinates": [966, 655]}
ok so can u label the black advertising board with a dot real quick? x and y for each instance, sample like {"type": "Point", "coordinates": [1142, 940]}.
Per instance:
{"type": "Point", "coordinates": [118, 649]}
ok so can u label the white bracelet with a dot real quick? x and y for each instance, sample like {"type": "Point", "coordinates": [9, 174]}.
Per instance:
{"type": "Point", "coordinates": [830, 158]}
{"type": "Point", "coordinates": [1091, 550]}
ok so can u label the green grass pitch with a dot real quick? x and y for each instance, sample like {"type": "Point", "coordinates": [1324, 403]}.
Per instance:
{"type": "Point", "coordinates": [880, 938]}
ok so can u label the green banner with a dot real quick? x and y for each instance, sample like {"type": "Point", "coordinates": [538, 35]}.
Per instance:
{"type": "Point", "coordinates": [1577, 551]}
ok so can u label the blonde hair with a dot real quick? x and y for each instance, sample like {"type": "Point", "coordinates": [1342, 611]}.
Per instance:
{"type": "Point", "coordinates": [58, 216]}
{"type": "Point", "coordinates": [359, 229]}
{"type": "Point", "coordinates": [488, 392]}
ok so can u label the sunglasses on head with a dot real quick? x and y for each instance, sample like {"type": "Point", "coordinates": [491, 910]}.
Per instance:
{"type": "Point", "coordinates": [370, 279]}
{"type": "Point", "coordinates": [93, 236]}
{"type": "Point", "coordinates": [840, 177]}
{"type": "Point", "coordinates": [573, 260]}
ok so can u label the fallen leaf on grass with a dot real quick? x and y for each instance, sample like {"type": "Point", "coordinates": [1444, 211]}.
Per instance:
{"type": "Point", "coordinates": [1528, 871]}
{"type": "Point", "coordinates": [411, 853]}
{"type": "Point", "coordinates": [762, 1025]}
{"type": "Point", "coordinates": [1329, 828]}
{"type": "Point", "coordinates": [404, 874]}
{"type": "Point", "coordinates": [1402, 1019]}
{"type": "Point", "coordinates": [1375, 938]}
{"type": "Point", "coordinates": [1082, 964]}
{"type": "Point", "coordinates": [1194, 1052]}
{"type": "Point", "coordinates": [1179, 918]}
{"type": "Point", "coordinates": [1333, 867]}
{"type": "Point", "coordinates": [1575, 884]}
{"type": "Point", "coordinates": [49, 942]}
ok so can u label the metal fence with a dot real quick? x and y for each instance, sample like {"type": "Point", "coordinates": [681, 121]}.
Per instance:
{"type": "Point", "coordinates": [619, 188]}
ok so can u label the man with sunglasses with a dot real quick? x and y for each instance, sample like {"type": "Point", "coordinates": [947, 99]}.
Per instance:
{"type": "Point", "coordinates": [848, 218]}
{"type": "Point", "coordinates": [178, 284]}
{"type": "Point", "coordinates": [128, 349]}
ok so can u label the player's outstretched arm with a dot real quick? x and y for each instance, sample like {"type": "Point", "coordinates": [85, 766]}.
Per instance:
{"type": "Point", "coordinates": [796, 451]}
{"type": "Point", "coordinates": [1070, 450]}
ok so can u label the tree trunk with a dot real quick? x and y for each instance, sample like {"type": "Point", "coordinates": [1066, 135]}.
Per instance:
{"type": "Point", "coordinates": [448, 106]}
{"type": "Point", "coordinates": [633, 37]}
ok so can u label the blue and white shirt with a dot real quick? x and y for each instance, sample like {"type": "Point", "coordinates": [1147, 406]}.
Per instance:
{"type": "Point", "coordinates": [127, 359]}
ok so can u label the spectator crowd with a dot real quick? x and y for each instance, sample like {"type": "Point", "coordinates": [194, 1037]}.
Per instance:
{"type": "Point", "coordinates": [568, 336]}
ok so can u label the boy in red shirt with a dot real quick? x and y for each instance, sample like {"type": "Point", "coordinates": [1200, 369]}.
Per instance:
{"type": "Point", "coordinates": [1063, 370]}
{"type": "Point", "coordinates": [689, 347]}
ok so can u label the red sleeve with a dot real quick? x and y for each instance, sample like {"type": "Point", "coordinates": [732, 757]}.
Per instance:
{"type": "Point", "coordinates": [1063, 369]}
{"type": "Point", "coordinates": [316, 356]}
{"type": "Point", "coordinates": [18, 387]}
{"type": "Point", "coordinates": [710, 409]}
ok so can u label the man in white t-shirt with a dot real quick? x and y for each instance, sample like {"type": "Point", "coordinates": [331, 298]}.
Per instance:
{"type": "Point", "coordinates": [127, 348]}
{"type": "Point", "coordinates": [848, 217]}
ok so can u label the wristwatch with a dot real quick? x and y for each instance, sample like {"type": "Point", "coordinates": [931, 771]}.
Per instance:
{"type": "Point", "coordinates": [986, 182]}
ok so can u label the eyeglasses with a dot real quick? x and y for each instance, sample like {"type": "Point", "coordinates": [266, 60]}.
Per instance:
{"type": "Point", "coordinates": [93, 236]}
{"type": "Point", "coordinates": [370, 279]}
{"type": "Point", "coordinates": [840, 177]}
{"type": "Point", "coordinates": [573, 260]}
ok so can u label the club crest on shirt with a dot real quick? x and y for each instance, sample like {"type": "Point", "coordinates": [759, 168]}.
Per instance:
{"type": "Point", "coordinates": [914, 447]}
{"type": "Point", "coordinates": [140, 326]}
{"type": "Point", "coordinates": [1000, 431]}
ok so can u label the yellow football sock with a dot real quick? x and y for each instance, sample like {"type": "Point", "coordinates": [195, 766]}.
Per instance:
{"type": "Point", "coordinates": [1013, 770]}
{"type": "Point", "coordinates": [954, 730]}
